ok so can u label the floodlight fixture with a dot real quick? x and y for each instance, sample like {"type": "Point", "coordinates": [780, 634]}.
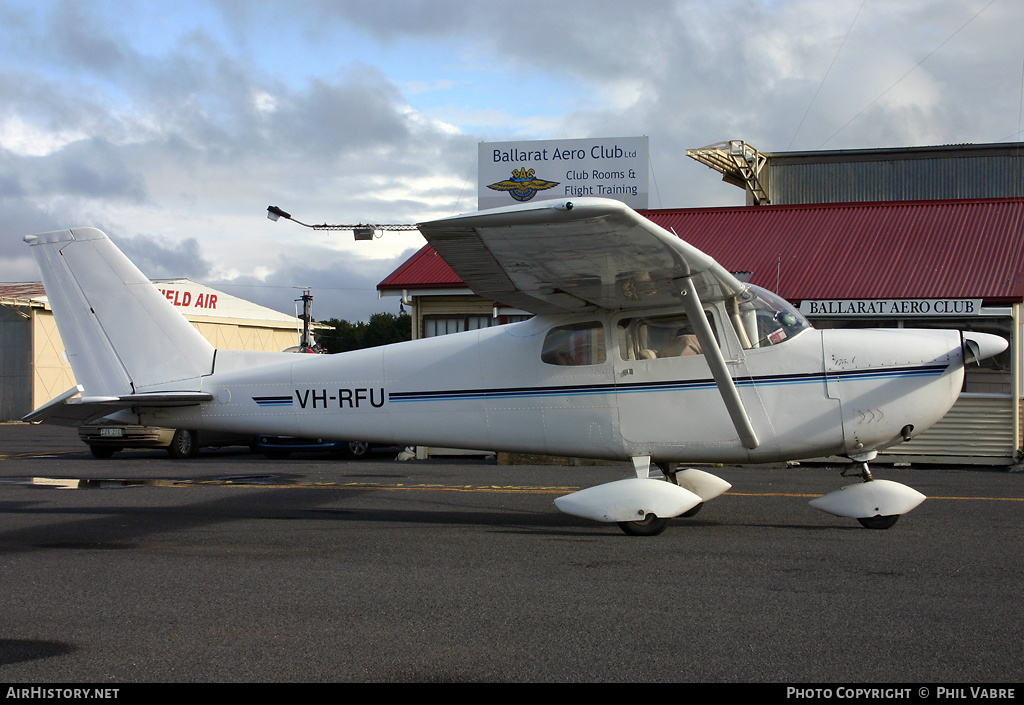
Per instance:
{"type": "Point", "coordinates": [361, 231]}
{"type": "Point", "coordinates": [273, 213]}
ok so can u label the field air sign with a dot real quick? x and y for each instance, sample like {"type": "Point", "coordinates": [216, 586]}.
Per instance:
{"type": "Point", "coordinates": [521, 172]}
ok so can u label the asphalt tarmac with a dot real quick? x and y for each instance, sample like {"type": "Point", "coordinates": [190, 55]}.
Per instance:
{"type": "Point", "coordinates": [235, 568]}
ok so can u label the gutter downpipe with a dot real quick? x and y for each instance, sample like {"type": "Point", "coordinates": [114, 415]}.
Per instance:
{"type": "Point", "coordinates": [1015, 365]}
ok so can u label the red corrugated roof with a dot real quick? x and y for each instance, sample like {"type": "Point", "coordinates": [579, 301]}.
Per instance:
{"type": "Point", "coordinates": [897, 250]}
{"type": "Point", "coordinates": [425, 269]}
{"type": "Point", "coordinates": [21, 290]}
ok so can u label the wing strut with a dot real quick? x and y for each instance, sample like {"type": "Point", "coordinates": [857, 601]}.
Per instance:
{"type": "Point", "coordinates": [713, 354]}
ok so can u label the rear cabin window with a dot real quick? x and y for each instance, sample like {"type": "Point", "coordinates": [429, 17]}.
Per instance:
{"type": "Point", "coordinates": [578, 344]}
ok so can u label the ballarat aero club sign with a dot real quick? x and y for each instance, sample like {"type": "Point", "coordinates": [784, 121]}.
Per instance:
{"type": "Point", "coordinates": [890, 308]}
{"type": "Point", "coordinates": [519, 172]}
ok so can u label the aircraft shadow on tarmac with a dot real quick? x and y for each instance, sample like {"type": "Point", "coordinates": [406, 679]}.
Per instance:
{"type": "Point", "coordinates": [120, 526]}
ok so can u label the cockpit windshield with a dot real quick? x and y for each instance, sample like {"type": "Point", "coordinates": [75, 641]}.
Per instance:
{"type": "Point", "coordinates": [763, 319]}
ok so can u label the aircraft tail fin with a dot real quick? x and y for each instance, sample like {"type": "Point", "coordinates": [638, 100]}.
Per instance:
{"type": "Point", "coordinates": [121, 336]}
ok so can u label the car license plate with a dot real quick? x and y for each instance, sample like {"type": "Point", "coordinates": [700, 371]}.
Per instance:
{"type": "Point", "coordinates": [112, 432]}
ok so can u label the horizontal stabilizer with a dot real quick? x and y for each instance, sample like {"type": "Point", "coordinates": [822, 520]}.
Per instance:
{"type": "Point", "coordinates": [59, 411]}
{"type": "Point", "coordinates": [71, 409]}
{"type": "Point", "coordinates": [161, 399]}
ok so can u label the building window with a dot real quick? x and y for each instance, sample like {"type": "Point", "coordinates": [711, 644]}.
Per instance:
{"type": "Point", "coordinates": [443, 325]}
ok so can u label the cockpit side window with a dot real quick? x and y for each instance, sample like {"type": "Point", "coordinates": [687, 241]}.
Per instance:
{"type": "Point", "coordinates": [763, 319]}
{"type": "Point", "coordinates": [655, 337]}
{"type": "Point", "coordinates": [577, 344]}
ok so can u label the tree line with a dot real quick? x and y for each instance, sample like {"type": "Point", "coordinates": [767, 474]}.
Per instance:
{"type": "Point", "coordinates": [381, 329]}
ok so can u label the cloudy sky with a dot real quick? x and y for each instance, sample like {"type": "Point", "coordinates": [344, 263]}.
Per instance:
{"type": "Point", "coordinates": [173, 124]}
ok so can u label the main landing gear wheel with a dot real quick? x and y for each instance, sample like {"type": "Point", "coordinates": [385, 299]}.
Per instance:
{"type": "Point", "coordinates": [648, 526]}
{"type": "Point", "coordinates": [692, 512]}
{"type": "Point", "coordinates": [878, 522]}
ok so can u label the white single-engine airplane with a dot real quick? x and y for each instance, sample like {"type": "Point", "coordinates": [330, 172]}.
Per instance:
{"type": "Point", "coordinates": [643, 348]}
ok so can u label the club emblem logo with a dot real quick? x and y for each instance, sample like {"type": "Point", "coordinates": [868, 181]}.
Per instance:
{"type": "Point", "coordinates": [523, 185]}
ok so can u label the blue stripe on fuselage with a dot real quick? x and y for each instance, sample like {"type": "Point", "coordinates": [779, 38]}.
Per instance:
{"type": "Point", "coordinates": [668, 386]}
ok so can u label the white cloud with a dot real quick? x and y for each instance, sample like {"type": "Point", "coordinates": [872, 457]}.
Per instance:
{"type": "Point", "coordinates": [179, 124]}
{"type": "Point", "coordinates": [25, 139]}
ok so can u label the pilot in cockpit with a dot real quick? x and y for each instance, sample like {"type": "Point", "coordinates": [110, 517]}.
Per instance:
{"type": "Point", "coordinates": [684, 343]}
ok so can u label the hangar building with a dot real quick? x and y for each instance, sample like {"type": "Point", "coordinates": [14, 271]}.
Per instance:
{"type": "Point", "coordinates": [912, 237]}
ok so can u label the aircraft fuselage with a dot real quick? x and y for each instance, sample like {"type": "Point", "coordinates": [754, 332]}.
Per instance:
{"type": "Point", "coordinates": [822, 392]}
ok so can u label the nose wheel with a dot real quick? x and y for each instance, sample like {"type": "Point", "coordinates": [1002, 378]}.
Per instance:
{"type": "Point", "coordinates": [877, 522]}
{"type": "Point", "coordinates": [875, 504]}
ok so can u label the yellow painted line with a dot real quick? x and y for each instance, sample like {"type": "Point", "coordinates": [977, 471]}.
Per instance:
{"type": "Point", "coordinates": [986, 499]}
{"type": "Point", "coordinates": [812, 496]}
{"type": "Point", "coordinates": [399, 487]}
{"type": "Point", "coordinates": [768, 494]}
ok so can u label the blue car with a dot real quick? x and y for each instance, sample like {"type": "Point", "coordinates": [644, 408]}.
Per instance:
{"type": "Point", "coordinates": [280, 447]}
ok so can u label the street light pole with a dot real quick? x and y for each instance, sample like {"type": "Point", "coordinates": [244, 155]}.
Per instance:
{"type": "Point", "coordinates": [361, 231]}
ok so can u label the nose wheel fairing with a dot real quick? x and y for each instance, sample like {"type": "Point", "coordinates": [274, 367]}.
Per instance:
{"type": "Point", "coordinates": [876, 504]}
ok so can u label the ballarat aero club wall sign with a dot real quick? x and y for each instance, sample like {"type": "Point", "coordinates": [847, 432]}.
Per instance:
{"type": "Point", "coordinates": [899, 308]}
{"type": "Point", "coordinates": [517, 172]}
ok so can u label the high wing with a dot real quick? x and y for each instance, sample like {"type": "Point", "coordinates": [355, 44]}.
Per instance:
{"type": "Point", "coordinates": [559, 256]}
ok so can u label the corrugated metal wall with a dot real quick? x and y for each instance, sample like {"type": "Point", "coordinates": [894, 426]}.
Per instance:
{"type": "Point", "coordinates": [15, 363]}
{"type": "Point", "coordinates": [899, 175]}
{"type": "Point", "coordinates": [230, 336]}
{"type": "Point", "coordinates": [977, 428]}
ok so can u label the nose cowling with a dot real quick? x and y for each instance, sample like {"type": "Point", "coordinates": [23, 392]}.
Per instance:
{"type": "Point", "coordinates": [978, 346]}
{"type": "Point", "coordinates": [892, 384]}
